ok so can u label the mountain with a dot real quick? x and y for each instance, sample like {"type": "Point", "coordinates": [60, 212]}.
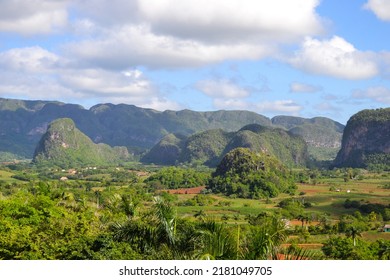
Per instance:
{"type": "Point", "coordinates": [66, 146]}
{"type": "Point", "coordinates": [322, 135]}
{"type": "Point", "coordinates": [210, 146]}
{"type": "Point", "coordinates": [167, 151]}
{"type": "Point", "coordinates": [366, 140]}
{"type": "Point", "coordinates": [22, 124]}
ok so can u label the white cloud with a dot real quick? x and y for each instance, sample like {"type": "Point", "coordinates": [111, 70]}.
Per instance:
{"type": "Point", "coordinates": [35, 86]}
{"type": "Point", "coordinates": [378, 94]}
{"type": "Point", "coordinates": [304, 88]}
{"type": "Point", "coordinates": [36, 73]}
{"type": "Point", "coordinates": [33, 16]}
{"type": "Point", "coordinates": [30, 59]}
{"type": "Point", "coordinates": [222, 88]}
{"type": "Point", "coordinates": [102, 82]}
{"type": "Point", "coordinates": [227, 20]}
{"type": "Point", "coordinates": [131, 46]}
{"type": "Point", "coordinates": [188, 33]}
{"type": "Point", "coordinates": [335, 57]}
{"type": "Point", "coordinates": [381, 8]}
{"type": "Point", "coordinates": [279, 106]}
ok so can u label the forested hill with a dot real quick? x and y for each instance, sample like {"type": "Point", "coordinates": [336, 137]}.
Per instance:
{"type": "Point", "coordinates": [209, 147]}
{"type": "Point", "coordinates": [65, 146]}
{"type": "Point", "coordinates": [22, 124]}
{"type": "Point", "coordinates": [366, 140]}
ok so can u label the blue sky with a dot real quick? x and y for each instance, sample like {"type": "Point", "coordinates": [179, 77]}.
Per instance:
{"type": "Point", "coordinates": [282, 57]}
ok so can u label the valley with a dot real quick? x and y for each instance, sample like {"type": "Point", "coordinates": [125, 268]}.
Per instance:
{"type": "Point", "coordinates": [122, 182]}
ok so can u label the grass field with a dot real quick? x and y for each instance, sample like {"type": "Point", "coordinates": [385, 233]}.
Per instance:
{"type": "Point", "coordinates": [6, 176]}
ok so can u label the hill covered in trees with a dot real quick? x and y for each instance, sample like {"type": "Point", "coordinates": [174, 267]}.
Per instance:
{"type": "Point", "coordinates": [251, 175]}
{"type": "Point", "coordinates": [211, 146]}
{"type": "Point", "coordinates": [64, 145]}
{"type": "Point", "coordinates": [22, 124]}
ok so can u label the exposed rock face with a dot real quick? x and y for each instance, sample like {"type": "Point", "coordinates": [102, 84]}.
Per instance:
{"type": "Point", "coordinates": [317, 132]}
{"type": "Point", "coordinates": [64, 145]}
{"type": "Point", "coordinates": [366, 140]}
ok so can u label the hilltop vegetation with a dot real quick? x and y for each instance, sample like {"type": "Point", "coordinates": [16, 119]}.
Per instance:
{"type": "Point", "coordinates": [251, 175]}
{"type": "Point", "coordinates": [65, 146]}
{"type": "Point", "coordinates": [209, 147]}
{"type": "Point", "coordinates": [24, 122]}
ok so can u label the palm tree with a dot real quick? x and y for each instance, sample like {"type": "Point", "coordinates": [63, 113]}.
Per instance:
{"type": "Point", "coordinates": [264, 241]}
{"type": "Point", "coordinates": [353, 232]}
{"type": "Point", "coordinates": [200, 215]}
{"type": "Point", "coordinates": [215, 241]}
{"type": "Point", "coordinates": [165, 218]}
{"type": "Point", "coordinates": [129, 206]}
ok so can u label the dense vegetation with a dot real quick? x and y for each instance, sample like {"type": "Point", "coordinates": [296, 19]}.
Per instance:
{"type": "Point", "coordinates": [122, 213]}
{"type": "Point", "coordinates": [209, 147]}
{"type": "Point", "coordinates": [65, 146]}
{"type": "Point", "coordinates": [175, 178]}
{"type": "Point", "coordinates": [251, 175]}
{"type": "Point", "coordinates": [24, 122]}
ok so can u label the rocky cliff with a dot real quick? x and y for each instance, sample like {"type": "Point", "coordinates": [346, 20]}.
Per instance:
{"type": "Point", "coordinates": [366, 140]}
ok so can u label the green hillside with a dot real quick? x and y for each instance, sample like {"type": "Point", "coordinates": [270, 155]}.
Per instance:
{"type": "Point", "coordinates": [65, 146]}
{"type": "Point", "coordinates": [210, 146]}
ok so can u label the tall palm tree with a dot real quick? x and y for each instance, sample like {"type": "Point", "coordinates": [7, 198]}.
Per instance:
{"type": "Point", "coordinates": [353, 232]}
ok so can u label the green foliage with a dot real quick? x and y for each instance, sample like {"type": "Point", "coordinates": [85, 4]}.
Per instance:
{"type": "Point", "coordinates": [251, 175]}
{"type": "Point", "coordinates": [65, 146]}
{"type": "Point", "coordinates": [341, 248]}
{"type": "Point", "coordinates": [175, 177]}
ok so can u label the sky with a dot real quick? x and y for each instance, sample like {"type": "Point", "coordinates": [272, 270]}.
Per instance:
{"type": "Point", "coordinates": [303, 58]}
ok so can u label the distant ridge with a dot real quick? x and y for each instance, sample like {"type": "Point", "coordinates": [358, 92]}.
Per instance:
{"type": "Point", "coordinates": [209, 147]}
{"type": "Point", "coordinates": [22, 124]}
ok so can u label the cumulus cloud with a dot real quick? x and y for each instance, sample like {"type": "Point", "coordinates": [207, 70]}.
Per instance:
{"type": "Point", "coordinates": [381, 8]}
{"type": "Point", "coordinates": [227, 20]}
{"type": "Point", "coordinates": [378, 94]}
{"type": "Point", "coordinates": [189, 33]}
{"type": "Point", "coordinates": [36, 73]}
{"type": "Point", "coordinates": [335, 57]}
{"type": "Point", "coordinates": [30, 59]}
{"type": "Point", "coordinates": [279, 106]}
{"type": "Point", "coordinates": [304, 88]}
{"type": "Point", "coordinates": [33, 16]}
{"type": "Point", "coordinates": [131, 46]}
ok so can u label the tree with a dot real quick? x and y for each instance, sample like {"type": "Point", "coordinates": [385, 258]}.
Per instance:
{"type": "Point", "coordinates": [353, 232]}
{"type": "Point", "coordinates": [263, 242]}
